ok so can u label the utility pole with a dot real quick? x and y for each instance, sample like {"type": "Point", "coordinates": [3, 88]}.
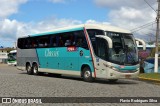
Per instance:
{"type": "Point", "coordinates": [157, 36]}
{"type": "Point", "coordinates": [15, 45]}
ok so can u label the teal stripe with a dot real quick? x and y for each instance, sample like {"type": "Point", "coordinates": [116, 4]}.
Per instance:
{"type": "Point", "coordinates": [60, 31]}
{"type": "Point", "coordinates": [127, 67]}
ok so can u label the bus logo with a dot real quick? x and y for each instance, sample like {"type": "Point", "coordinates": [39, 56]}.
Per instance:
{"type": "Point", "coordinates": [71, 48]}
{"type": "Point", "coordinates": [49, 53]}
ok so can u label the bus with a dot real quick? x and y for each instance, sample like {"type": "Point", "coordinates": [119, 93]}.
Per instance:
{"type": "Point", "coordinates": [90, 51]}
{"type": "Point", "coordinates": [12, 58]}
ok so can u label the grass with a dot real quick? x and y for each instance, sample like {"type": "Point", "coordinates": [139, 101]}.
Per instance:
{"type": "Point", "coordinates": [154, 76]}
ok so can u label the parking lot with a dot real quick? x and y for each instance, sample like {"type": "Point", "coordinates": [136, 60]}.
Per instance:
{"type": "Point", "coordinates": [16, 83]}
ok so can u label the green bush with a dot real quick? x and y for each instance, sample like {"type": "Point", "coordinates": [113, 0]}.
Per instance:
{"type": "Point", "coordinates": [152, 54]}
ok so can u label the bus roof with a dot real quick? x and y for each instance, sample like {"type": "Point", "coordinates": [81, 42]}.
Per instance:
{"type": "Point", "coordinates": [106, 28]}
{"type": "Point", "coordinates": [86, 26]}
{"type": "Point", "coordinates": [147, 46]}
{"type": "Point", "coordinates": [13, 51]}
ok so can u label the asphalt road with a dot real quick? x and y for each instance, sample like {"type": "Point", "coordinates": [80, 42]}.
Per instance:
{"type": "Point", "coordinates": [16, 83]}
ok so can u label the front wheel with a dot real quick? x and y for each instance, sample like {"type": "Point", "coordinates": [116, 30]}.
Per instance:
{"type": "Point", "coordinates": [87, 75]}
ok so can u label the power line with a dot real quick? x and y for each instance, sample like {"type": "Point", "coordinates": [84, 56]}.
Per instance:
{"type": "Point", "coordinates": [142, 27]}
{"type": "Point", "coordinates": [150, 6]}
{"type": "Point", "coordinates": [148, 34]}
{"type": "Point", "coordinates": [145, 25]}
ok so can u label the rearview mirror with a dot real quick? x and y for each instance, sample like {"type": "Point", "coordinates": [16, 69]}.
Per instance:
{"type": "Point", "coordinates": [143, 43]}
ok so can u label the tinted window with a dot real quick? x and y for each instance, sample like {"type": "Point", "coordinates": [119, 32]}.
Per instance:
{"type": "Point", "coordinates": [92, 33]}
{"type": "Point", "coordinates": [41, 42]}
{"type": "Point", "coordinates": [75, 38]}
{"type": "Point", "coordinates": [20, 43]}
{"type": "Point", "coordinates": [102, 49]}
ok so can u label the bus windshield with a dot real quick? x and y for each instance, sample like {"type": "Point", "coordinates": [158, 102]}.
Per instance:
{"type": "Point", "coordinates": [123, 52]}
{"type": "Point", "coordinates": [124, 49]}
{"type": "Point", "coordinates": [11, 56]}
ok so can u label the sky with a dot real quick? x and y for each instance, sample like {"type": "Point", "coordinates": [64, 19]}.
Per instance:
{"type": "Point", "coordinates": [20, 18]}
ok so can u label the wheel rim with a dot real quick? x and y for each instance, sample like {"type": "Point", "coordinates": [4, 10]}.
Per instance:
{"type": "Point", "coordinates": [28, 68]}
{"type": "Point", "coordinates": [35, 69]}
{"type": "Point", "coordinates": [87, 74]}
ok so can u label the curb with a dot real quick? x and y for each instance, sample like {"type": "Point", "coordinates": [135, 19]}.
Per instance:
{"type": "Point", "coordinates": [3, 64]}
{"type": "Point", "coordinates": [149, 79]}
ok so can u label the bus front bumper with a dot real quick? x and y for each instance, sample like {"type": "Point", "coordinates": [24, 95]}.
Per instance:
{"type": "Point", "coordinates": [118, 75]}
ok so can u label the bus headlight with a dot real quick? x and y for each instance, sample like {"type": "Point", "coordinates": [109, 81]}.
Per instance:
{"type": "Point", "coordinates": [114, 68]}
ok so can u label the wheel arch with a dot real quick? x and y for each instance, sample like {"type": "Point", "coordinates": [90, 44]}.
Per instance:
{"type": "Point", "coordinates": [27, 63]}
{"type": "Point", "coordinates": [83, 66]}
{"type": "Point", "coordinates": [34, 63]}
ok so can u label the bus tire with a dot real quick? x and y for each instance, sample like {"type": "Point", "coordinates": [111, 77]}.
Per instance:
{"type": "Point", "coordinates": [29, 69]}
{"type": "Point", "coordinates": [35, 69]}
{"type": "Point", "coordinates": [87, 75]}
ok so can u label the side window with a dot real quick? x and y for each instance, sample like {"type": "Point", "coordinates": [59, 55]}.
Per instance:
{"type": "Point", "coordinates": [75, 38]}
{"type": "Point", "coordinates": [54, 40]}
{"type": "Point", "coordinates": [43, 41]}
{"type": "Point", "coordinates": [65, 39]}
{"type": "Point", "coordinates": [101, 48]}
{"type": "Point", "coordinates": [69, 39]}
{"type": "Point", "coordinates": [58, 40]}
{"type": "Point", "coordinates": [92, 33]}
{"type": "Point", "coordinates": [20, 43]}
{"type": "Point", "coordinates": [28, 43]}
{"type": "Point", "coordinates": [80, 39]}
{"type": "Point", "coordinates": [34, 42]}
{"type": "Point", "coordinates": [24, 43]}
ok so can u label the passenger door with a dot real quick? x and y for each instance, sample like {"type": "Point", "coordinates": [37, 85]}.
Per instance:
{"type": "Point", "coordinates": [101, 57]}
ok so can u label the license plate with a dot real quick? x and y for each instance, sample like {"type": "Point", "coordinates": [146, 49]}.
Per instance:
{"type": "Point", "coordinates": [127, 76]}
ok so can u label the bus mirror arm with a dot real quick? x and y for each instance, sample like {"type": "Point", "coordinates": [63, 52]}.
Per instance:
{"type": "Point", "coordinates": [143, 43]}
{"type": "Point", "coordinates": [108, 39]}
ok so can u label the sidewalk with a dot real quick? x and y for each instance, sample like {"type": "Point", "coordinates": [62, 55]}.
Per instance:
{"type": "Point", "coordinates": [151, 77]}
{"type": "Point", "coordinates": [3, 64]}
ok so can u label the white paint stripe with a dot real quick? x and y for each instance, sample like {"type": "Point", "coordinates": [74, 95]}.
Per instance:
{"type": "Point", "coordinates": [57, 71]}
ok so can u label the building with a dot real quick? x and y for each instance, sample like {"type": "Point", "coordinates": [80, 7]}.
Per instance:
{"type": "Point", "coordinates": [3, 55]}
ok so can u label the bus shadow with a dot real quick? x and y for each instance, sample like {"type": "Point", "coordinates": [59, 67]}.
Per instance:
{"type": "Point", "coordinates": [98, 81]}
{"type": "Point", "coordinates": [119, 82]}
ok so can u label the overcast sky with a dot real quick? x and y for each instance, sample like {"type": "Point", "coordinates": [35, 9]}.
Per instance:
{"type": "Point", "coordinates": [22, 17]}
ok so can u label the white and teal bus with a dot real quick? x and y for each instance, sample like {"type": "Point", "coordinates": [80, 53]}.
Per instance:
{"type": "Point", "coordinates": [12, 58]}
{"type": "Point", "coordinates": [89, 51]}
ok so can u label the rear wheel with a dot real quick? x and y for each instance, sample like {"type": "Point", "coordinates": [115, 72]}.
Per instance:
{"type": "Point", "coordinates": [35, 69]}
{"type": "Point", "coordinates": [87, 75]}
{"type": "Point", "coordinates": [29, 69]}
